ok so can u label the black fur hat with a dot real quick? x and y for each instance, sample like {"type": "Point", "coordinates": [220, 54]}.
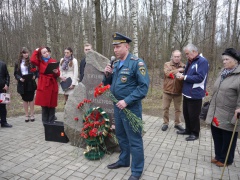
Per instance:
{"type": "Point", "coordinates": [232, 52]}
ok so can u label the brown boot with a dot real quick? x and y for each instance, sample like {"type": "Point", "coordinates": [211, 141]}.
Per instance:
{"type": "Point", "coordinates": [214, 161]}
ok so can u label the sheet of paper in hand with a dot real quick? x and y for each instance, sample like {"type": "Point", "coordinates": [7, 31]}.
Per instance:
{"type": "Point", "coordinates": [51, 67]}
{"type": "Point", "coordinates": [4, 98]}
{"type": "Point", "coordinates": [66, 84]}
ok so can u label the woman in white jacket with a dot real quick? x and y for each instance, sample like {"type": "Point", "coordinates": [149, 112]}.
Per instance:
{"type": "Point", "coordinates": [68, 68]}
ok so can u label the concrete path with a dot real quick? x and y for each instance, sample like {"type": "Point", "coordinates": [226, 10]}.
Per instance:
{"type": "Point", "coordinates": [24, 154]}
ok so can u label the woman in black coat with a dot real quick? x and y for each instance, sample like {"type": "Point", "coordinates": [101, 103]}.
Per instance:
{"type": "Point", "coordinates": [26, 73]}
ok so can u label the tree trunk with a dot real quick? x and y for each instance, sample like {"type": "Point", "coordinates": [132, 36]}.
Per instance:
{"type": "Point", "coordinates": [189, 21]}
{"type": "Point", "coordinates": [228, 22]}
{"type": "Point", "coordinates": [85, 37]}
{"type": "Point", "coordinates": [94, 24]}
{"type": "Point", "coordinates": [98, 27]}
{"type": "Point", "coordinates": [171, 42]}
{"type": "Point", "coordinates": [46, 21]}
{"type": "Point", "coordinates": [234, 40]}
{"type": "Point", "coordinates": [135, 26]}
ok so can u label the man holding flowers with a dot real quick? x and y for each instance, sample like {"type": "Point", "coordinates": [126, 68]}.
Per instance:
{"type": "Point", "coordinates": [129, 82]}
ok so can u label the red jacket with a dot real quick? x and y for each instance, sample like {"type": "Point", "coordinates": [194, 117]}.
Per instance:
{"type": "Point", "coordinates": [47, 88]}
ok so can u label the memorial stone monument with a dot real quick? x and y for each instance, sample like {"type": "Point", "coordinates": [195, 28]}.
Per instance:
{"type": "Point", "coordinates": [93, 76]}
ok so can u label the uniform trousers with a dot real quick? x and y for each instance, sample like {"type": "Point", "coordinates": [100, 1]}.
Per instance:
{"type": "Point", "coordinates": [177, 101]}
{"type": "Point", "coordinates": [221, 139]}
{"type": "Point", "coordinates": [191, 112]}
{"type": "Point", "coordinates": [130, 142]}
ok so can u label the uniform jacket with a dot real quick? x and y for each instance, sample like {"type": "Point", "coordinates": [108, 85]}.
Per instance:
{"type": "Point", "coordinates": [195, 80]}
{"type": "Point", "coordinates": [31, 85]}
{"type": "Point", "coordinates": [47, 88]}
{"type": "Point", "coordinates": [225, 100]}
{"type": "Point", "coordinates": [129, 82]}
{"type": "Point", "coordinates": [4, 76]}
{"type": "Point", "coordinates": [172, 85]}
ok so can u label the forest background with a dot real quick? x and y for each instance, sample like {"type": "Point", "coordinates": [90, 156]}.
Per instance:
{"type": "Point", "coordinates": [157, 27]}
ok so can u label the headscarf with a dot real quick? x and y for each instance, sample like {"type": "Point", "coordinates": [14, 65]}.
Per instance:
{"type": "Point", "coordinates": [66, 61]}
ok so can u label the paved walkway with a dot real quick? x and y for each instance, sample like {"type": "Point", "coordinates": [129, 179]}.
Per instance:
{"type": "Point", "coordinates": [24, 154]}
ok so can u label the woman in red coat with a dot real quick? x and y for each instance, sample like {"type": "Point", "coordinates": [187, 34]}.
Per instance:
{"type": "Point", "coordinates": [47, 88]}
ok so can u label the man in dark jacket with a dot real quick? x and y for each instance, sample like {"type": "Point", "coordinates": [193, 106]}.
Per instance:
{"type": "Point", "coordinates": [87, 47]}
{"type": "Point", "coordinates": [4, 84]}
{"type": "Point", "coordinates": [194, 89]}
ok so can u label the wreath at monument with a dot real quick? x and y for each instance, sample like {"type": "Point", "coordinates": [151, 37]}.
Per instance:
{"type": "Point", "coordinates": [96, 127]}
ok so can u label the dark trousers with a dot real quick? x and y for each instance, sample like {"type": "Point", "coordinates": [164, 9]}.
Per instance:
{"type": "Point", "coordinates": [191, 111]}
{"type": "Point", "coordinates": [221, 139]}
{"type": "Point", "coordinates": [48, 114]}
{"type": "Point", "coordinates": [3, 113]}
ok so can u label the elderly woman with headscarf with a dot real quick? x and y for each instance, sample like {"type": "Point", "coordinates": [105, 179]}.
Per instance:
{"type": "Point", "coordinates": [225, 101]}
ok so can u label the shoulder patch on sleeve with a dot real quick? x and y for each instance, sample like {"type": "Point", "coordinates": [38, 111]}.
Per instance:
{"type": "Point", "coordinates": [142, 70]}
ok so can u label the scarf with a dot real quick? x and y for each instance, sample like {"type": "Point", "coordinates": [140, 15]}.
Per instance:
{"type": "Point", "coordinates": [66, 61]}
{"type": "Point", "coordinates": [46, 59]}
{"type": "Point", "coordinates": [226, 72]}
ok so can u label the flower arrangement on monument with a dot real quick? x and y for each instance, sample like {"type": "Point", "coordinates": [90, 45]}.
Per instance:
{"type": "Point", "coordinates": [135, 122]}
{"type": "Point", "coordinates": [96, 127]}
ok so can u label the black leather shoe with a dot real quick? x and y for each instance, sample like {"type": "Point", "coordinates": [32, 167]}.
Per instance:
{"type": "Point", "coordinates": [191, 138]}
{"type": "Point", "coordinates": [164, 127]}
{"type": "Point", "coordinates": [184, 132]}
{"type": "Point", "coordinates": [115, 166]}
{"type": "Point", "coordinates": [6, 125]}
{"type": "Point", "coordinates": [179, 127]}
{"type": "Point", "coordinates": [134, 177]}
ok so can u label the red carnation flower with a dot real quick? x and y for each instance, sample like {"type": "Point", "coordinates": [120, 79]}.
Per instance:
{"type": "Point", "coordinates": [206, 93]}
{"type": "Point", "coordinates": [215, 120]}
{"type": "Point", "coordinates": [76, 118]}
{"type": "Point", "coordinates": [33, 69]}
{"type": "Point", "coordinates": [171, 75]}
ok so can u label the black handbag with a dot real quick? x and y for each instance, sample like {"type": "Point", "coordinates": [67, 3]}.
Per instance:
{"type": "Point", "coordinates": [204, 110]}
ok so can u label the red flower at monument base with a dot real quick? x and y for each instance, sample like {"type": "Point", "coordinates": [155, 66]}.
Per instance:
{"type": "Point", "coordinates": [0, 101]}
{"type": "Point", "coordinates": [76, 118]}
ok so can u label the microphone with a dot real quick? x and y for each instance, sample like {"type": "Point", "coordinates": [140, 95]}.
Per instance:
{"type": "Point", "coordinates": [113, 58]}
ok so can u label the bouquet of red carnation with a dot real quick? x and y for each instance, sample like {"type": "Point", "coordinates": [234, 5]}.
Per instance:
{"type": "Point", "coordinates": [135, 122]}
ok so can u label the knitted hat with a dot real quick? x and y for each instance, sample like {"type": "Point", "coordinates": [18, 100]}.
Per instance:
{"type": "Point", "coordinates": [232, 52]}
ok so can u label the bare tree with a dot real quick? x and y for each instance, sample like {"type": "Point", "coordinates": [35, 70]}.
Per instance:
{"type": "Point", "coordinates": [44, 6]}
{"type": "Point", "coordinates": [98, 27]}
{"type": "Point", "coordinates": [135, 25]}
{"type": "Point", "coordinates": [172, 30]}
{"type": "Point", "coordinates": [234, 41]}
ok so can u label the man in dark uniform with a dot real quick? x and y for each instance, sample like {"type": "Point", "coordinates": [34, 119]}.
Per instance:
{"type": "Point", "coordinates": [129, 82]}
{"type": "Point", "coordinates": [4, 84]}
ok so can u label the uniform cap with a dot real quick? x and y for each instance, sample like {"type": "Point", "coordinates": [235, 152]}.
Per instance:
{"type": "Point", "coordinates": [119, 38]}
